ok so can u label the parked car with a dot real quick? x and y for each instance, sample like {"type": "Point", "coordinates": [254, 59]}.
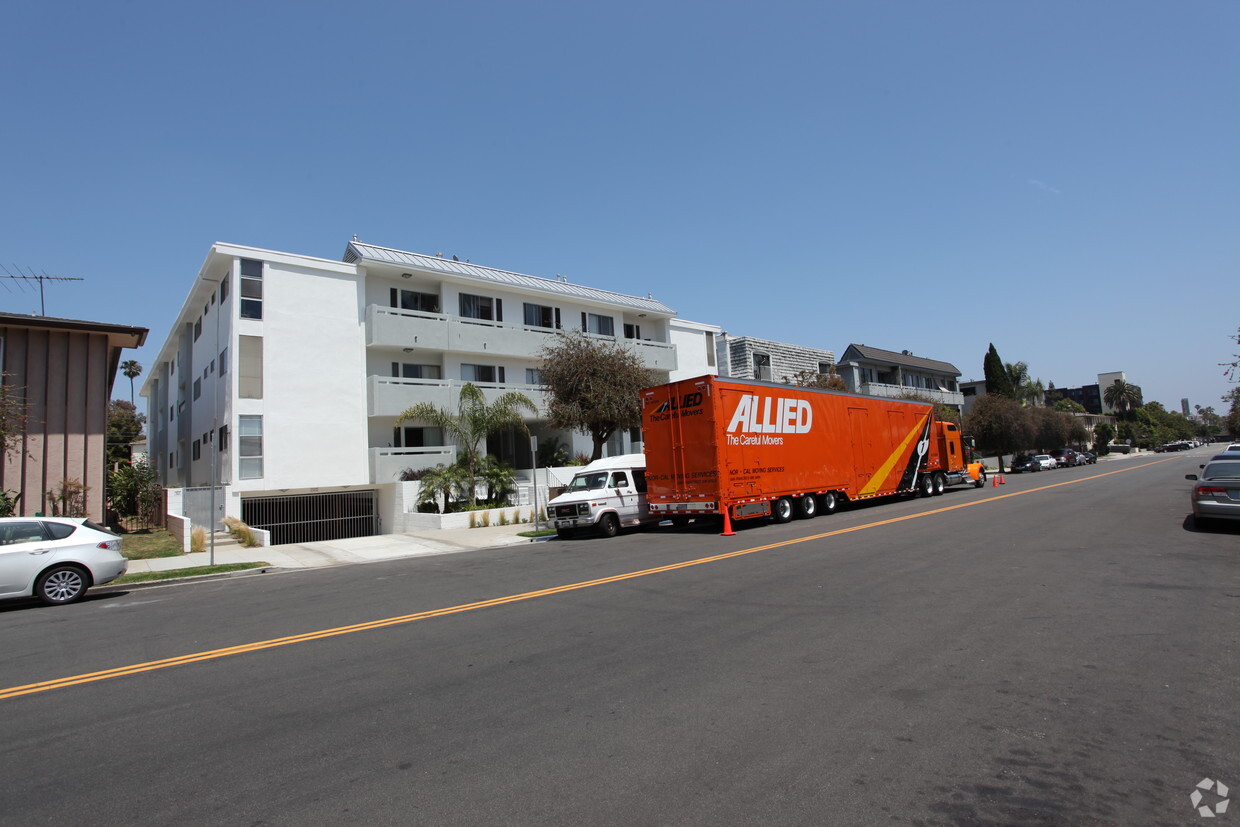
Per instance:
{"type": "Point", "coordinates": [1089, 458]}
{"type": "Point", "coordinates": [1216, 494]}
{"type": "Point", "coordinates": [1065, 457]}
{"type": "Point", "coordinates": [1047, 461]}
{"type": "Point", "coordinates": [56, 559]}
{"type": "Point", "coordinates": [1024, 462]}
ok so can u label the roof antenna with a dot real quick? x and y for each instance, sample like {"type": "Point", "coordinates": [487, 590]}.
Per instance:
{"type": "Point", "coordinates": [40, 279]}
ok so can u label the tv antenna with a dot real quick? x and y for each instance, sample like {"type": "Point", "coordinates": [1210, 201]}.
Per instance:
{"type": "Point", "coordinates": [33, 276]}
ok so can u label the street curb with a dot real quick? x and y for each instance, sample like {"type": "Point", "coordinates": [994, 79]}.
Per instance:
{"type": "Point", "coordinates": [107, 587]}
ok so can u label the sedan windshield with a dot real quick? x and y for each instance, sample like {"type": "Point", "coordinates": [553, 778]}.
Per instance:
{"type": "Point", "coordinates": [588, 482]}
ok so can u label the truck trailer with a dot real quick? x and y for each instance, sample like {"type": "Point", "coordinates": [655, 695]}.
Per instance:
{"type": "Point", "coordinates": [743, 449]}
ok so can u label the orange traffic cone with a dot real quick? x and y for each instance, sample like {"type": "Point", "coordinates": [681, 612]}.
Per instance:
{"type": "Point", "coordinates": [994, 481]}
{"type": "Point", "coordinates": [1002, 480]}
{"type": "Point", "coordinates": [727, 524]}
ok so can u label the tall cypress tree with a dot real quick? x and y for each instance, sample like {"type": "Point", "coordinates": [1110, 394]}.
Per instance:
{"type": "Point", "coordinates": [998, 382]}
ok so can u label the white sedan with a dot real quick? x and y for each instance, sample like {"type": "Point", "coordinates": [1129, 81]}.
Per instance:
{"type": "Point", "coordinates": [56, 559]}
{"type": "Point", "coordinates": [1047, 461]}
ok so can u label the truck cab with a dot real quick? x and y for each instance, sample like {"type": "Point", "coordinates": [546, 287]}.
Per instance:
{"type": "Point", "coordinates": [605, 495]}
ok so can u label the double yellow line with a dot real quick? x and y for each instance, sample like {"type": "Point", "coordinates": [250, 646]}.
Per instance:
{"type": "Point", "coordinates": [214, 654]}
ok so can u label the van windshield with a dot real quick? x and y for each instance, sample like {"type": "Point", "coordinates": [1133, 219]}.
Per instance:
{"type": "Point", "coordinates": [588, 482]}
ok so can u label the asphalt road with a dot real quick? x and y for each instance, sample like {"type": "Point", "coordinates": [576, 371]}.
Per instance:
{"type": "Point", "coordinates": [1061, 649]}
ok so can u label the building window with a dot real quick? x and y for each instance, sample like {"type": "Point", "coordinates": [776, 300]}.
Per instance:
{"type": "Point", "coordinates": [417, 437]}
{"type": "Point", "coordinates": [172, 459]}
{"type": "Point", "coordinates": [482, 373]}
{"type": "Point", "coordinates": [413, 300]}
{"type": "Point", "coordinates": [404, 370]}
{"type": "Point", "coordinates": [762, 366]}
{"type": "Point", "coordinates": [824, 368]}
{"type": "Point", "coordinates": [224, 287]}
{"type": "Point", "coordinates": [197, 328]}
{"type": "Point", "coordinates": [537, 315]}
{"type": "Point", "coordinates": [223, 361]}
{"type": "Point", "coordinates": [197, 388]}
{"type": "Point", "coordinates": [197, 452]}
{"type": "Point", "coordinates": [250, 453]}
{"type": "Point", "coordinates": [533, 376]}
{"type": "Point", "coordinates": [223, 446]}
{"type": "Point", "coordinates": [600, 325]}
{"type": "Point", "coordinates": [632, 331]}
{"type": "Point", "coordinates": [251, 289]}
{"type": "Point", "coordinates": [250, 367]}
{"type": "Point", "coordinates": [481, 307]}
{"type": "Point", "coordinates": [710, 349]}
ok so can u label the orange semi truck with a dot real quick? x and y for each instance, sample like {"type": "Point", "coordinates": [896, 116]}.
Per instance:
{"type": "Point", "coordinates": [746, 449]}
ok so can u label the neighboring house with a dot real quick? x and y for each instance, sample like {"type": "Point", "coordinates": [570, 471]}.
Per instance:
{"type": "Point", "coordinates": [876, 372]}
{"type": "Point", "coordinates": [744, 357]}
{"type": "Point", "coordinates": [286, 373]}
{"type": "Point", "coordinates": [971, 390]}
{"type": "Point", "coordinates": [695, 349]}
{"type": "Point", "coordinates": [64, 369]}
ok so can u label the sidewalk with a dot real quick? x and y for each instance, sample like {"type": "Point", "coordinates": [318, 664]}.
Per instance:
{"type": "Point", "coordinates": [345, 552]}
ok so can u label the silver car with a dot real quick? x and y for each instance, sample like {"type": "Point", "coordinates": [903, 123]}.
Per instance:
{"type": "Point", "coordinates": [56, 559]}
{"type": "Point", "coordinates": [1216, 494]}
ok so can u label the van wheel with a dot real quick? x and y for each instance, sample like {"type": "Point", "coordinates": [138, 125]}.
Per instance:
{"type": "Point", "coordinates": [828, 503]}
{"type": "Point", "coordinates": [807, 507]}
{"type": "Point", "coordinates": [781, 510]}
{"type": "Point", "coordinates": [609, 525]}
{"type": "Point", "coordinates": [940, 484]}
{"type": "Point", "coordinates": [925, 485]}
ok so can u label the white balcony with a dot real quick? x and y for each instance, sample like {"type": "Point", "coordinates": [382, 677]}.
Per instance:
{"type": "Point", "coordinates": [390, 396]}
{"type": "Point", "coordinates": [386, 464]}
{"type": "Point", "coordinates": [392, 327]}
{"type": "Point", "coordinates": [953, 398]}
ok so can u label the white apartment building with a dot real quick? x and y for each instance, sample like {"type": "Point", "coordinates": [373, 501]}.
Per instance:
{"type": "Point", "coordinates": [284, 375]}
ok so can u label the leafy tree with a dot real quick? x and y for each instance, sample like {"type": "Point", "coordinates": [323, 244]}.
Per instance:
{"type": "Point", "coordinates": [1025, 389]}
{"type": "Point", "coordinates": [1122, 396]}
{"type": "Point", "coordinates": [134, 491]}
{"type": "Point", "coordinates": [1050, 428]}
{"type": "Point", "coordinates": [999, 423]}
{"type": "Point", "coordinates": [998, 383]}
{"type": "Point", "coordinates": [13, 414]}
{"type": "Point", "coordinates": [1233, 415]}
{"type": "Point", "coordinates": [1103, 434]}
{"type": "Point", "coordinates": [500, 480]}
{"type": "Point", "coordinates": [443, 481]}
{"type": "Point", "coordinates": [1232, 369]}
{"type": "Point", "coordinates": [473, 421]}
{"type": "Point", "coordinates": [1069, 406]}
{"type": "Point", "coordinates": [133, 370]}
{"type": "Point", "coordinates": [944, 413]}
{"type": "Point", "coordinates": [595, 386]}
{"type": "Point", "coordinates": [124, 426]}
{"type": "Point", "coordinates": [830, 381]}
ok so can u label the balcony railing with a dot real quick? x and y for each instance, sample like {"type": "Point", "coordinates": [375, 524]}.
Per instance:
{"type": "Point", "coordinates": [895, 391]}
{"type": "Point", "coordinates": [391, 396]}
{"type": "Point", "coordinates": [387, 464]}
{"type": "Point", "coordinates": [393, 327]}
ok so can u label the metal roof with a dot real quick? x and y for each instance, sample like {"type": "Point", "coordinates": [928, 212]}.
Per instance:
{"type": "Point", "coordinates": [906, 359]}
{"type": "Point", "coordinates": [358, 251]}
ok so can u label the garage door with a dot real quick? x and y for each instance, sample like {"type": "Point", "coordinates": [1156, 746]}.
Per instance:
{"type": "Point", "coordinates": [310, 518]}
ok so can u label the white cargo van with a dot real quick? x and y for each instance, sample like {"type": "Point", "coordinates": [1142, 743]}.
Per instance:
{"type": "Point", "coordinates": [606, 494]}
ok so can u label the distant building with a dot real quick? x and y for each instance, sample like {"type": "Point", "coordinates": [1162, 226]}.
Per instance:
{"type": "Point", "coordinates": [876, 372]}
{"type": "Point", "coordinates": [696, 348]}
{"type": "Point", "coordinates": [1091, 397]}
{"type": "Point", "coordinates": [744, 357]}
{"type": "Point", "coordinates": [64, 370]}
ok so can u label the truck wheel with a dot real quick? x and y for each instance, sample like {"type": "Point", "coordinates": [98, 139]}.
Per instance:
{"type": "Point", "coordinates": [925, 485]}
{"type": "Point", "coordinates": [940, 484]}
{"type": "Point", "coordinates": [564, 533]}
{"type": "Point", "coordinates": [807, 507]}
{"type": "Point", "coordinates": [828, 503]}
{"type": "Point", "coordinates": [981, 481]}
{"type": "Point", "coordinates": [609, 525]}
{"type": "Point", "coordinates": [781, 510]}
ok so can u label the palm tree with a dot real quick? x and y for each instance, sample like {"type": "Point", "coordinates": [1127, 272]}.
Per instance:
{"type": "Point", "coordinates": [133, 370]}
{"type": "Point", "coordinates": [1121, 396]}
{"type": "Point", "coordinates": [474, 421]}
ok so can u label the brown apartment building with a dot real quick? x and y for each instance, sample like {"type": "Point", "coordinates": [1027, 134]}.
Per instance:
{"type": "Point", "coordinates": [63, 370]}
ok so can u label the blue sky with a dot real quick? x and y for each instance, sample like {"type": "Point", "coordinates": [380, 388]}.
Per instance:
{"type": "Point", "coordinates": [1058, 178]}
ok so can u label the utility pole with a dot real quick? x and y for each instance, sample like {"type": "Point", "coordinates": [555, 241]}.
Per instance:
{"type": "Point", "coordinates": [32, 276]}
